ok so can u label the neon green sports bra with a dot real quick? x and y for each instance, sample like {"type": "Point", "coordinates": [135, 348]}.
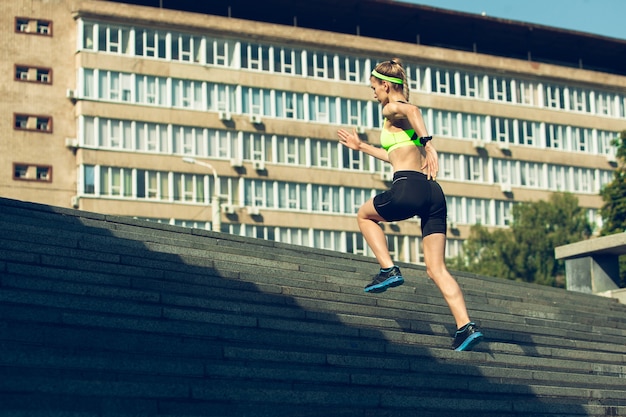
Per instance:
{"type": "Point", "coordinates": [393, 140]}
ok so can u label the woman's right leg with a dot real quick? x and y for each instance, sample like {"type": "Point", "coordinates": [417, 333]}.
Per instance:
{"type": "Point", "coordinates": [389, 275]}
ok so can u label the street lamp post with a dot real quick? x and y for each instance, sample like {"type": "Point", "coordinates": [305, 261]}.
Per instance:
{"type": "Point", "coordinates": [216, 200]}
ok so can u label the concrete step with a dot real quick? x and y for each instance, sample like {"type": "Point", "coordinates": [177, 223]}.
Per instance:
{"type": "Point", "coordinates": [102, 315]}
{"type": "Point", "coordinates": [309, 265]}
{"type": "Point", "coordinates": [84, 269]}
{"type": "Point", "coordinates": [306, 258]}
{"type": "Point", "coordinates": [142, 308]}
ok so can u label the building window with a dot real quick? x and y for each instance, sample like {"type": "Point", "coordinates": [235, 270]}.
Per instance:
{"type": "Point", "coordinates": [219, 52]}
{"type": "Point", "coordinates": [188, 94]}
{"type": "Point", "coordinates": [32, 123]}
{"type": "Point", "coordinates": [44, 75]}
{"type": "Point", "coordinates": [28, 172]}
{"type": "Point", "coordinates": [150, 43]}
{"type": "Point", "coordinates": [150, 90]}
{"type": "Point", "coordinates": [291, 151]}
{"type": "Point", "coordinates": [256, 101]}
{"type": "Point", "coordinates": [417, 77]}
{"type": "Point", "coordinates": [554, 97]}
{"type": "Point", "coordinates": [445, 123]}
{"type": "Point", "coordinates": [605, 105]}
{"type": "Point", "coordinates": [43, 173]}
{"type": "Point", "coordinates": [500, 89]}
{"type": "Point", "coordinates": [527, 132]}
{"type": "Point", "coordinates": [291, 196]}
{"type": "Point", "coordinates": [443, 81]}
{"type": "Point", "coordinates": [353, 112]}
{"type": "Point", "coordinates": [324, 154]}
{"type": "Point", "coordinates": [186, 48]}
{"type": "Point", "coordinates": [22, 24]}
{"type": "Point", "coordinates": [473, 126]}
{"type": "Point", "coordinates": [450, 165]}
{"type": "Point", "coordinates": [33, 74]}
{"type": "Point", "coordinates": [526, 93]}
{"type": "Point", "coordinates": [352, 69]}
{"type": "Point", "coordinates": [33, 26]}
{"type": "Point", "coordinates": [557, 178]}
{"type": "Point", "coordinates": [113, 39]}
{"type": "Point", "coordinates": [471, 85]}
{"type": "Point", "coordinates": [21, 121]}
{"type": "Point", "coordinates": [288, 61]}
{"type": "Point", "coordinates": [578, 100]}
{"type": "Point", "coordinates": [20, 172]}
{"type": "Point", "coordinates": [581, 139]}
{"type": "Point", "coordinates": [290, 105]}
{"type": "Point", "coordinates": [475, 169]}
{"type": "Point", "coordinates": [501, 130]}
{"type": "Point", "coordinates": [21, 73]}
{"type": "Point", "coordinates": [89, 179]}
{"type": "Point", "coordinates": [44, 27]}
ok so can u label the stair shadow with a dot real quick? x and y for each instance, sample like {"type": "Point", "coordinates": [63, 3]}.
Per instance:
{"type": "Point", "coordinates": [96, 324]}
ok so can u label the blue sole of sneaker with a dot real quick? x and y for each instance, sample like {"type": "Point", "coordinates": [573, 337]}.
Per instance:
{"type": "Point", "coordinates": [470, 342]}
{"type": "Point", "coordinates": [388, 283]}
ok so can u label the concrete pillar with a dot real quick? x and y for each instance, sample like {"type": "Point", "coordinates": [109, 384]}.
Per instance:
{"type": "Point", "coordinates": [592, 274]}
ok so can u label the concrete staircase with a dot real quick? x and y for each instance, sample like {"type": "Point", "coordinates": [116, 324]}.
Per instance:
{"type": "Point", "coordinates": [109, 316]}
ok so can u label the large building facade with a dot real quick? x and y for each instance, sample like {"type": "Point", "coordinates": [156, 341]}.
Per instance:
{"type": "Point", "coordinates": [106, 105]}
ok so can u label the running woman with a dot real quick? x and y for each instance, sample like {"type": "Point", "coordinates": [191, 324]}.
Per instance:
{"type": "Point", "coordinates": [406, 145]}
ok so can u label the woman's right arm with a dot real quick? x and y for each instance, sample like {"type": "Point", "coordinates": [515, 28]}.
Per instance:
{"type": "Point", "coordinates": [352, 141]}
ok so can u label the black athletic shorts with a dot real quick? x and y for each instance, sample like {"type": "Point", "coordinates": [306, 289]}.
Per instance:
{"type": "Point", "coordinates": [411, 194]}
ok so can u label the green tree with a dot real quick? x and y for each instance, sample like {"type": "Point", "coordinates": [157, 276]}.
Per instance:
{"type": "Point", "coordinates": [484, 254]}
{"type": "Point", "coordinates": [525, 251]}
{"type": "Point", "coordinates": [613, 211]}
{"type": "Point", "coordinates": [539, 227]}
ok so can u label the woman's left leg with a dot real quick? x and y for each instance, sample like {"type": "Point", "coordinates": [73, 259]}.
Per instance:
{"type": "Point", "coordinates": [434, 257]}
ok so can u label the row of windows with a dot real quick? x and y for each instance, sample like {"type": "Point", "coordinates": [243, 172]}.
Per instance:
{"type": "Point", "coordinates": [465, 84]}
{"type": "Point", "coordinates": [132, 183]}
{"type": "Point", "coordinates": [511, 173]}
{"type": "Point", "coordinates": [403, 248]}
{"type": "Point", "coordinates": [505, 131]}
{"type": "Point", "coordinates": [227, 99]}
{"type": "Point", "coordinates": [33, 26]}
{"type": "Point", "coordinates": [103, 181]}
{"type": "Point", "coordinates": [128, 183]}
{"type": "Point", "coordinates": [238, 146]}
{"type": "Point", "coordinates": [234, 54]}
{"type": "Point", "coordinates": [282, 195]}
{"type": "Point", "coordinates": [465, 210]}
{"type": "Point", "coordinates": [170, 45]}
{"type": "Point", "coordinates": [469, 211]}
{"type": "Point", "coordinates": [33, 74]}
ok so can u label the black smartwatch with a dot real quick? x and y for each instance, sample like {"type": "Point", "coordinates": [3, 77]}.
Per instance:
{"type": "Point", "coordinates": [424, 140]}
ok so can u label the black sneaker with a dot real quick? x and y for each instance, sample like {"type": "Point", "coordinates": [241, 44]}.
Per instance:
{"type": "Point", "coordinates": [385, 279]}
{"type": "Point", "coordinates": [466, 337]}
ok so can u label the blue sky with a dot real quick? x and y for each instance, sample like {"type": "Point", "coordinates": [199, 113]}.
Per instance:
{"type": "Point", "coordinates": [600, 17]}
